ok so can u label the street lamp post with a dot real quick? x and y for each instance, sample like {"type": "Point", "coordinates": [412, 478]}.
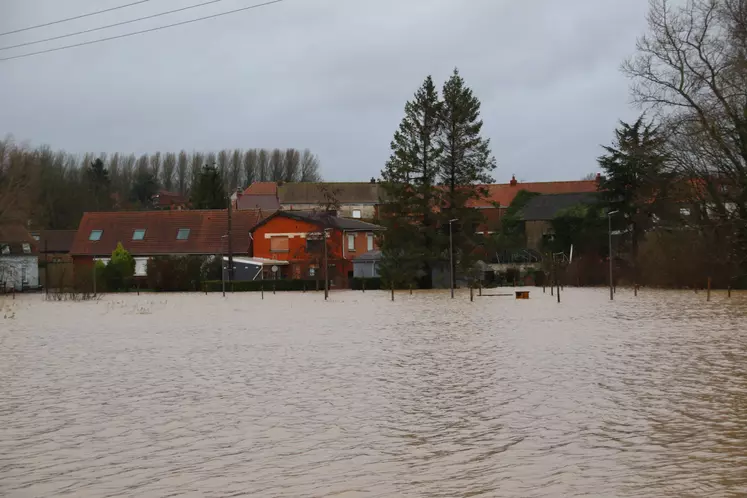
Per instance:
{"type": "Point", "coordinates": [326, 264]}
{"type": "Point", "coordinates": [222, 266]}
{"type": "Point", "coordinates": [609, 230]}
{"type": "Point", "coordinates": [451, 258]}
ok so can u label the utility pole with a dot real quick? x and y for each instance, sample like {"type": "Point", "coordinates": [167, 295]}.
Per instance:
{"type": "Point", "coordinates": [326, 265]}
{"type": "Point", "coordinates": [451, 258]}
{"type": "Point", "coordinates": [609, 230]}
{"type": "Point", "coordinates": [230, 245]}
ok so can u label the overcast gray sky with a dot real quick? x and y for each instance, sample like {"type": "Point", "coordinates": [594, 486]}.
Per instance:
{"type": "Point", "coordinates": [330, 75]}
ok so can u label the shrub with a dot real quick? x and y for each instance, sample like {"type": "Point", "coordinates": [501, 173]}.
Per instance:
{"type": "Point", "coordinates": [371, 283]}
{"type": "Point", "coordinates": [256, 285]}
{"type": "Point", "coordinates": [176, 273]}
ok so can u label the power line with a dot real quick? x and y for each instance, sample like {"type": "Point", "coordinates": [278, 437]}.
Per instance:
{"type": "Point", "coordinates": [73, 18]}
{"type": "Point", "coordinates": [31, 54]}
{"type": "Point", "coordinates": [68, 35]}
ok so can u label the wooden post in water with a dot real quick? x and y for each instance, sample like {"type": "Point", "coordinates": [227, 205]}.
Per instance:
{"type": "Point", "coordinates": [392, 286]}
{"type": "Point", "coordinates": [471, 293]}
{"type": "Point", "coordinates": [728, 291]}
{"type": "Point", "coordinates": [363, 284]}
{"type": "Point", "coordinates": [479, 289]}
{"type": "Point", "coordinates": [411, 289]}
{"type": "Point", "coordinates": [709, 289]}
{"type": "Point", "coordinates": [635, 290]}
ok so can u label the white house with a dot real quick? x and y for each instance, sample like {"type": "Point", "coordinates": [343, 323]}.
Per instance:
{"type": "Point", "coordinates": [19, 259]}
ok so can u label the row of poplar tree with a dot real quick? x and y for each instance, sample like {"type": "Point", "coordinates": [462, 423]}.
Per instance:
{"type": "Point", "coordinates": [439, 165]}
{"type": "Point", "coordinates": [53, 189]}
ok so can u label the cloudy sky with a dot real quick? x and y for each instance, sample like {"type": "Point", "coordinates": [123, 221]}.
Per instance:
{"type": "Point", "coordinates": [329, 75]}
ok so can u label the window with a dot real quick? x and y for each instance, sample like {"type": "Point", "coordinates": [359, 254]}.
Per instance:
{"type": "Point", "coordinates": [356, 213]}
{"type": "Point", "coordinates": [182, 234]}
{"type": "Point", "coordinates": [351, 242]}
{"type": "Point", "coordinates": [279, 244]}
{"type": "Point", "coordinates": [95, 235]}
{"type": "Point", "coordinates": [24, 277]}
{"type": "Point", "coordinates": [685, 211]}
{"type": "Point", "coordinates": [139, 234]}
{"type": "Point", "coordinates": [4, 249]}
{"type": "Point", "coordinates": [314, 246]}
{"type": "Point", "coordinates": [369, 242]}
{"type": "Point", "coordinates": [26, 248]}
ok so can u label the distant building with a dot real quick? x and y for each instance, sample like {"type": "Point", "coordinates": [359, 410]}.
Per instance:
{"type": "Point", "coordinates": [501, 195]}
{"type": "Point", "coordinates": [19, 259]}
{"type": "Point", "coordinates": [296, 238]}
{"type": "Point", "coordinates": [357, 200]}
{"type": "Point", "coordinates": [258, 195]}
{"type": "Point", "coordinates": [169, 200]}
{"type": "Point", "coordinates": [541, 210]}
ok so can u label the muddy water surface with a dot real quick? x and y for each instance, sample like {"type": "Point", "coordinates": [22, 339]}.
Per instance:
{"type": "Point", "coordinates": [194, 395]}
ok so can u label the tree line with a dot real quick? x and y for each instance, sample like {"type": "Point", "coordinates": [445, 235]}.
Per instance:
{"type": "Point", "coordinates": [438, 165]}
{"type": "Point", "coordinates": [52, 189]}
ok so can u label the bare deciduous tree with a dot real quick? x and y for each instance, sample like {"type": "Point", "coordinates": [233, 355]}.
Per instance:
{"type": "Point", "coordinates": [224, 158]}
{"type": "Point", "coordinates": [291, 165]}
{"type": "Point", "coordinates": [155, 165]}
{"type": "Point", "coordinates": [277, 172]}
{"type": "Point", "coordinates": [182, 169]}
{"type": "Point", "coordinates": [167, 172]}
{"type": "Point", "coordinates": [235, 175]}
{"type": "Point", "coordinates": [196, 165]}
{"type": "Point", "coordinates": [310, 167]}
{"type": "Point", "coordinates": [141, 166]}
{"type": "Point", "coordinates": [263, 165]}
{"type": "Point", "coordinates": [250, 166]}
{"type": "Point", "coordinates": [691, 70]}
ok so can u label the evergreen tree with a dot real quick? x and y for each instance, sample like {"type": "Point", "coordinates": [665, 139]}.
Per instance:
{"type": "Point", "coordinates": [635, 180]}
{"type": "Point", "coordinates": [464, 167]}
{"type": "Point", "coordinates": [209, 191]}
{"type": "Point", "coordinates": [99, 187]}
{"type": "Point", "coordinates": [410, 193]}
{"type": "Point", "coordinates": [144, 187]}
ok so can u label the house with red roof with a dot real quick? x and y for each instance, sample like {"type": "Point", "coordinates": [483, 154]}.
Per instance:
{"type": "Point", "coordinates": [146, 234]}
{"type": "Point", "coordinates": [295, 239]}
{"type": "Point", "coordinates": [501, 195]}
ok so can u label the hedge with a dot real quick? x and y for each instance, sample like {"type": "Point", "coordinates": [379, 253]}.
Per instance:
{"type": "Point", "coordinates": [371, 283]}
{"type": "Point", "coordinates": [256, 285]}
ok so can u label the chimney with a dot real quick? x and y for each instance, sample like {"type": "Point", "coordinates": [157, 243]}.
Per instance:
{"type": "Point", "coordinates": [513, 182]}
{"type": "Point", "coordinates": [599, 177]}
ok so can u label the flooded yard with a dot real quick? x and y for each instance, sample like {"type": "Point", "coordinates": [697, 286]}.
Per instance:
{"type": "Point", "coordinates": [290, 396]}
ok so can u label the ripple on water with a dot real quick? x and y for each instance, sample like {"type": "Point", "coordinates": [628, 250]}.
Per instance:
{"type": "Point", "coordinates": [359, 396]}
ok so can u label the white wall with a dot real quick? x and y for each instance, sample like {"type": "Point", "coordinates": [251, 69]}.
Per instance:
{"type": "Point", "coordinates": [12, 271]}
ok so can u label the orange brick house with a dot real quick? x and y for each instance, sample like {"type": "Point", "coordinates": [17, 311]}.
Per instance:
{"type": "Point", "coordinates": [297, 237]}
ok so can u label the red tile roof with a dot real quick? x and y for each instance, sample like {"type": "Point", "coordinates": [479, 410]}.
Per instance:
{"type": "Point", "coordinates": [262, 188]}
{"type": "Point", "coordinates": [14, 235]}
{"type": "Point", "coordinates": [503, 193]}
{"type": "Point", "coordinates": [206, 231]}
{"type": "Point", "coordinates": [165, 199]}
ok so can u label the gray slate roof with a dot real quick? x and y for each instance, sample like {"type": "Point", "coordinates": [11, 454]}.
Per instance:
{"type": "Point", "coordinates": [374, 255]}
{"type": "Point", "coordinates": [327, 220]}
{"type": "Point", "coordinates": [547, 207]}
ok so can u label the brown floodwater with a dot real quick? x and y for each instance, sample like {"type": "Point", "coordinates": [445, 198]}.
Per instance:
{"type": "Point", "coordinates": [193, 395]}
